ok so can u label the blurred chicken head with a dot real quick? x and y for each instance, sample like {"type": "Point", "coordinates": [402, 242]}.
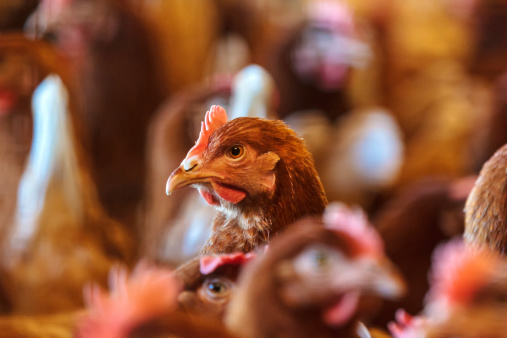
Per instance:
{"type": "Point", "coordinates": [350, 264]}
{"type": "Point", "coordinates": [319, 271]}
{"type": "Point", "coordinates": [328, 46]}
{"type": "Point", "coordinates": [210, 282]}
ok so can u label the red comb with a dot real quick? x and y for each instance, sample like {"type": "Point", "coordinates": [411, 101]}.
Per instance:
{"type": "Point", "coordinates": [458, 271]}
{"type": "Point", "coordinates": [208, 264]}
{"type": "Point", "coordinates": [132, 300]}
{"type": "Point", "coordinates": [354, 223]}
{"type": "Point", "coordinates": [214, 119]}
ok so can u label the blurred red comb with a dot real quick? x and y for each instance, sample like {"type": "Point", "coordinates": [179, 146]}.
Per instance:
{"type": "Point", "coordinates": [354, 223]}
{"type": "Point", "coordinates": [214, 119]}
{"type": "Point", "coordinates": [458, 271]}
{"type": "Point", "coordinates": [132, 300]}
{"type": "Point", "coordinates": [208, 264]}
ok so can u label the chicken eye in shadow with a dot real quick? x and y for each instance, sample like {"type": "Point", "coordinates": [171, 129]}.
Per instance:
{"type": "Point", "coordinates": [217, 288]}
{"type": "Point", "coordinates": [236, 152]}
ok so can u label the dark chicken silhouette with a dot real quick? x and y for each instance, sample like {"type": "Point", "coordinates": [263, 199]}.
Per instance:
{"type": "Point", "coordinates": [118, 80]}
{"type": "Point", "coordinates": [486, 213]}
{"type": "Point", "coordinates": [13, 14]}
{"type": "Point", "coordinates": [312, 65]}
{"type": "Point", "coordinates": [312, 279]}
{"type": "Point", "coordinates": [467, 297]}
{"type": "Point", "coordinates": [256, 172]}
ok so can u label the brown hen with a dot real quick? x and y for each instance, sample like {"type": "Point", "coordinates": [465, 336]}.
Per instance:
{"type": "Point", "coordinates": [256, 172]}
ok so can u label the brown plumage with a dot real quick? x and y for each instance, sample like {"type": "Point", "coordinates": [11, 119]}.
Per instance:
{"type": "Point", "coordinates": [486, 213]}
{"type": "Point", "coordinates": [270, 184]}
{"type": "Point", "coordinates": [311, 280]}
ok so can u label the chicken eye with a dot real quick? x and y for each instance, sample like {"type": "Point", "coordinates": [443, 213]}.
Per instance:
{"type": "Point", "coordinates": [317, 260]}
{"type": "Point", "coordinates": [236, 152]}
{"type": "Point", "coordinates": [217, 288]}
{"type": "Point", "coordinates": [320, 259]}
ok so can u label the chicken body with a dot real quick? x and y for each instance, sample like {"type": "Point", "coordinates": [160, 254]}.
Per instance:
{"type": "Point", "coordinates": [258, 175]}
{"type": "Point", "coordinates": [486, 207]}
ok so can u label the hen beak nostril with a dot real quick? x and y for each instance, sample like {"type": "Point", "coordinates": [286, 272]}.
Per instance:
{"type": "Point", "coordinates": [189, 169]}
{"type": "Point", "coordinates": [190, 164]}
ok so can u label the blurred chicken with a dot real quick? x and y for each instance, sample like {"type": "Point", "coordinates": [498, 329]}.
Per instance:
{"type": "Point", "coordinates": [412, 224]}
{"type": "Point", "coordinates": [55, 234]}
{"type": "Point", "coordinates": [119, 86]}
{"type": "Point", "coordinates": [313, 280]}
{"type": "Point", "coordinates": [142, 305]}
{"type": "Point", "coordinates": [315, 64]}
{"type": "Point", "coordinates": [467, 297]}
{"type": "Point", "coordinates": [256, 172]}
{"type": "Point", "coordinates": [485, 222]}
{"type": "Point", "coordinates": [209, 282]}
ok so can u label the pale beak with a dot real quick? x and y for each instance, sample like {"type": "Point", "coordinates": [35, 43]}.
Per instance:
{"type": "Point", "coordinates": [181, 178]}
{"type": "Point", "coordinates": [371, 276]}
{"type": "Point", "coordinates": [388, 282]}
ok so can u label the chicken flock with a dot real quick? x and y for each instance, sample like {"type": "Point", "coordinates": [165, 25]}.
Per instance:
{"type": "Point", "coordinates": [251, 168]}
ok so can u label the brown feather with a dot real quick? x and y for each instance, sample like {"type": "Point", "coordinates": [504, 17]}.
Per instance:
{"type": "Point", "coordinates": [486, 214]}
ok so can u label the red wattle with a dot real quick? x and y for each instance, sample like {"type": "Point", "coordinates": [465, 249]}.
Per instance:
{"type": "Point", "coordinates": [342, 312]}
{"type": "Point", "coordinates": [231, 195]}
{"type": "Point", "coordinates": [208, 197]}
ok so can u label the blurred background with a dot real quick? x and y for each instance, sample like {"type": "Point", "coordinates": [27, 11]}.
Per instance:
{"type": "Point", "coordinates": [399, 101]}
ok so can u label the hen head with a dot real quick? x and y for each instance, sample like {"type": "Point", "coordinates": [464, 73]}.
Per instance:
{"type": "Point", "coordinates": [209, 282]}
{"type": "Point", "coordinates": [316, 273]}
{"type": "Point", "coordinates": [249, 165]}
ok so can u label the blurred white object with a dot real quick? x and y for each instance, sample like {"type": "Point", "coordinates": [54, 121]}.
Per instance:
{"type": "Point", "coordinates": [189, 231]}
{"type": "Point", "coordinates": [253, 93]}
{"type": "Point", "coordinates": [366, 156]}
{"type": "Point", "coordinates": [52, 157]}
{"type": "Point", "coordinates": [360, 155]}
